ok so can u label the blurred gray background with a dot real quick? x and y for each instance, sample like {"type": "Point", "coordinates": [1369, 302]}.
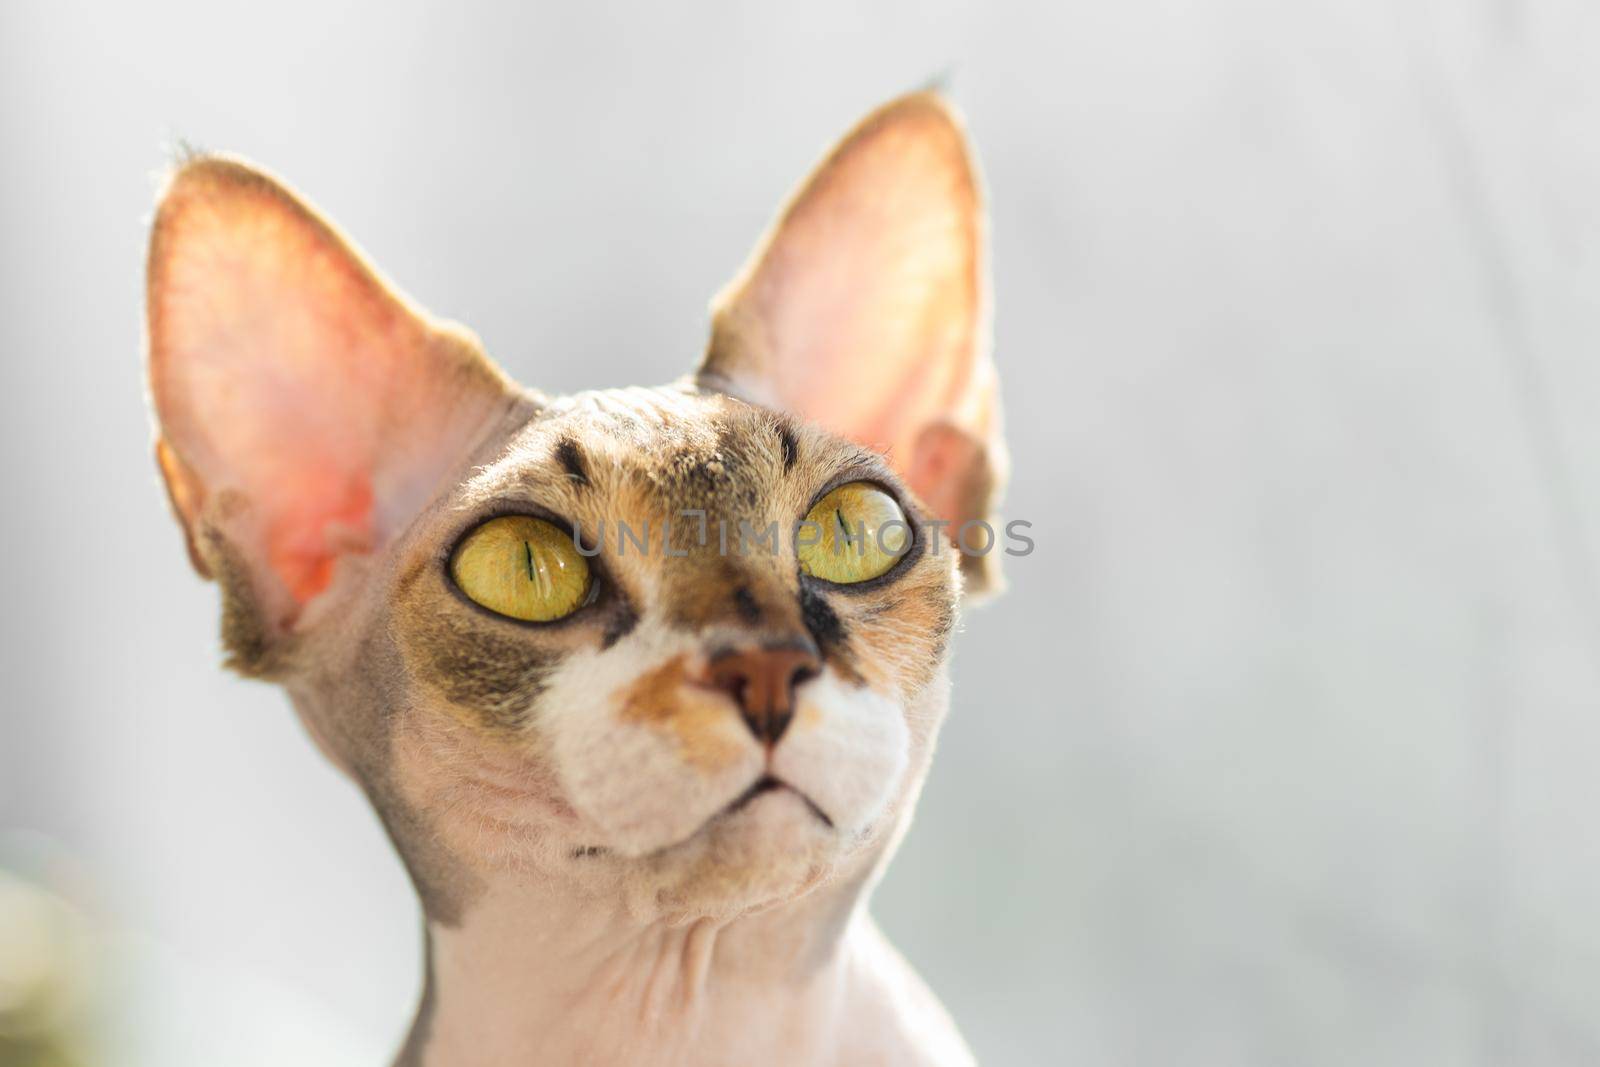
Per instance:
{"type": "Point", "coordinates": [1281, 748]}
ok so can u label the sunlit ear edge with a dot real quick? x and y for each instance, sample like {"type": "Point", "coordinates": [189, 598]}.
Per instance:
{"type": "Point", "coordinates": [201, 513]}
{"type": "Point", "coordinates": [736, 338]}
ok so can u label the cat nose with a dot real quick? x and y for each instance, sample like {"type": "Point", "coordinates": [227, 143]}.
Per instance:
{"type": "Point", "coordinates": [763, 681]}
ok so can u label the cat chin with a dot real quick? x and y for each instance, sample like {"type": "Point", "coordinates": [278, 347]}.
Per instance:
{"type": "Point", "coordinates": [772, 849]}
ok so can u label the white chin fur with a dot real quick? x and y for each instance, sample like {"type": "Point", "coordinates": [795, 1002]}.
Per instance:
{"type": "Point", "coordinates": [631, 783]}
{"type": "Point", "coordinates": [847, 750]}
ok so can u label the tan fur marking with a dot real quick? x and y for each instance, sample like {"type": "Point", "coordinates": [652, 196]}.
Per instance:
{"type": "Point", "coordinates": [667, 698]}
{"type": "Point", "coordinates": [488, 675]}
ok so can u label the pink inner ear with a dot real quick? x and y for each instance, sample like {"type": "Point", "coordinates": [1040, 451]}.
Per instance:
{"type": "Point", "coordinates": [871, 293]}
{"type": "Point", "coordinates": [302, 548]}
{"type": "Point", "coordinates": [275, 386]}
{"type": "Point", "coordinates": [303, 396]}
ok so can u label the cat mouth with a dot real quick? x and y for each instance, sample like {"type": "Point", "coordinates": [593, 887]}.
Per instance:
{"type": "Point", "coordinates": [760, 787]}
{"type": "Point", "coordinates": [767, 784]}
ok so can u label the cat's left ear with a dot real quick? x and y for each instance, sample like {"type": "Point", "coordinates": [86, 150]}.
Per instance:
{"type": "Point", "coordinates": [865, 310]}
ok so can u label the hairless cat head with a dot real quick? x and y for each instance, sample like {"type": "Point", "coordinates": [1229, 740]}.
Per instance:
{"type": "Point", "coordinates": [587, 640]}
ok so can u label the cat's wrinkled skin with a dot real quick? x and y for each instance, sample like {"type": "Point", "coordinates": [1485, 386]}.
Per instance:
{"type": "Point", "coordinates": [572, 798]}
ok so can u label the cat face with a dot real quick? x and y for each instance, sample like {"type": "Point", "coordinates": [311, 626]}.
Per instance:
{"type": "Point", "coordinates": [621, 640]}
{"type": "Point", "coordinates": [650, 760]}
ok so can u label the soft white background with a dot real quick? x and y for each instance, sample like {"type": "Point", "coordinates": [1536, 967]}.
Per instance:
{"type": "Point", "coordinates": [1281, 749]}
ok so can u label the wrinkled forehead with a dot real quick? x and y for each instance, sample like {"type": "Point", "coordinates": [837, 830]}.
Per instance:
{"type": "Point", "coordinates": [629, 454]}
{"type": "Point", "coordinates": [684, 496]}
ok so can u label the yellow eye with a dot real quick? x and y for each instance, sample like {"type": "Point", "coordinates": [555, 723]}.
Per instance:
{"type": "Point", "coordinates": [855, 533]}
{"type": "Point", "coordinates": [523, 567]}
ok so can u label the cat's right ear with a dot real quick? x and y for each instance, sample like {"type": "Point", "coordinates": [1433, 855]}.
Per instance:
{"type": "Point", "coordinates": [305, 410]}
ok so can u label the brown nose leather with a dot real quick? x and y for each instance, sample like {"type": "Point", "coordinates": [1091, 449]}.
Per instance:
{"type": "Point", "coordinates": [763, 681]}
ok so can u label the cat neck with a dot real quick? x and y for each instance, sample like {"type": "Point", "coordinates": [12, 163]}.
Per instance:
{"type": "Point", "coordinates": [531, 977]}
